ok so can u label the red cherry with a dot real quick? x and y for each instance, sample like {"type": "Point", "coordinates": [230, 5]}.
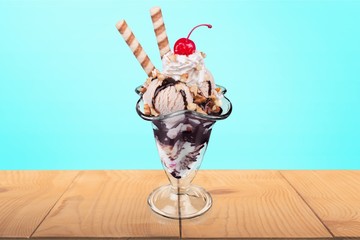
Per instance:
{"type": "Point", "coordinates": [185, 46]}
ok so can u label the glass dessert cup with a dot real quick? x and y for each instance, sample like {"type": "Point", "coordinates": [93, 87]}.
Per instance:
{"type": "Point", "coordinates": [182, 138]}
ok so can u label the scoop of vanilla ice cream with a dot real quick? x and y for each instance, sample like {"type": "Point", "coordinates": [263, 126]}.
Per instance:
{"type": "Point", "coordinates": [172, 100]}
{"type": "Point", "coordinates": [167, 96]}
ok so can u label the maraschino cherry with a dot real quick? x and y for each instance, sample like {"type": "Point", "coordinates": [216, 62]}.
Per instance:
{"type": "Point", "coordinates": [185, 46]}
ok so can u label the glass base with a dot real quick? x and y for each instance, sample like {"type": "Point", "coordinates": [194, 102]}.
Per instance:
{"type": "Point", "coordinates": [168, 202]}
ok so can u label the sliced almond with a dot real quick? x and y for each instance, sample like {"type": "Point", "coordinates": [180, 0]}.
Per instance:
{"type": "Point", "coordinates": [198, 67]}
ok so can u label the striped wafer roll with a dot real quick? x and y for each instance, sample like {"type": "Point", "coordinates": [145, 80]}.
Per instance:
{"type": "Point", "coordinates": [160, 31]}
{"type": "Point", "coordinates": [135, 47]}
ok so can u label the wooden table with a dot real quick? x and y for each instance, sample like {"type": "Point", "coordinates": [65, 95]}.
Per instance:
{"type": "Point", "coordinates": [246, 204]}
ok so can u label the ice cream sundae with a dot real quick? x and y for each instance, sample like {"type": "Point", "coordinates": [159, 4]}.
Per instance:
{"type": "Point", "coordinates": [181, 100]}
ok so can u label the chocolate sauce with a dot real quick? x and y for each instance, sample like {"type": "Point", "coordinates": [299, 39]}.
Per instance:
{"type": "Point", "coordinates": [174, 174]}
{"type": "Point", "coordinates": [209, 89]}
{"type": "Point", "coordinates": [183, 94]}
{"type": "Point", "coordinates": [197, 134]}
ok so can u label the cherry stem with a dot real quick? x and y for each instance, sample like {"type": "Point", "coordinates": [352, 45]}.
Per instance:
{"type": "Point", "coordinates": [200, 25]}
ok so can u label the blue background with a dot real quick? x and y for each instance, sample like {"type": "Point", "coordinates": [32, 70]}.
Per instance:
{"type": "Point", "coordinates": [292, 69]}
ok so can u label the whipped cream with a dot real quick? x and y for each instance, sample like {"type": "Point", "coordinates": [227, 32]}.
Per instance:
{"type": "Point", "coordinates": [175, 65]}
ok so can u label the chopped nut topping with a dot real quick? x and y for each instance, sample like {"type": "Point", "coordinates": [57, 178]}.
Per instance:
{"type": "Point", "coordinates": [184, 77]}
{"type": "Point", "coordinates": [194, 89]}
{"type": "Point", "coordinates": [161, 77]}
{"type": "Point", "coordinates": [199, 110]}
{"type": "Point", "coordinates": [143, 89]}
{"type": "Point", "coordinates": [213, 97]}
{"type": "Point", "coordinates": [191, 106]}
{"type": "Point", "coordinates": [199, 99]}
{"type": "Point", "coordinates": [218, 89]}
{"type": "Point", "coordinates": [148, 80]}
{"type": "Point", "coordinates": [216, 109]}
{"type": "Point", "coordinates": [218, 102]}
{"type": "Point", "coordinates": [178, 87]}
{"type": "Point", "coordinates": [154, 112]}
{"type": "Point", "coordinates": [203, 54]}
{"type": "Point", "coordinates": [198, 67]}
{"type": "Point", "coordinates": [147, 109]}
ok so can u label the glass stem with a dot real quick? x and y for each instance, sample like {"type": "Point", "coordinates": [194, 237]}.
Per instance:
{"type": "Point", "coordinates": [181, 185]}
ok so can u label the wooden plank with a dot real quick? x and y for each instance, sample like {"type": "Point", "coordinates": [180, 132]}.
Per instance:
{"type": "Point", "coordinates": [252, 204]}
{"type": "Point", "coordinates": [109, 204]}
{"type": "Point", "coordinates": [27, 196]}
{"type": "Point", "coordinates": [333, 195]}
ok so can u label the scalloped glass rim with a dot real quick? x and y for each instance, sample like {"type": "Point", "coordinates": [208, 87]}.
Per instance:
{"type": "Point", "coordinates": [226, 112]}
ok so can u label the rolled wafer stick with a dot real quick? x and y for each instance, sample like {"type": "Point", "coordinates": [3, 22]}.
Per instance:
{"type": "Point", "coordinates": [135, 47]}
{"type": "Point", "coordinates": [160, 31]}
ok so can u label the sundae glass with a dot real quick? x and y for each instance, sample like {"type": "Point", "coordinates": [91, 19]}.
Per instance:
{"type": "Point", "coordinates": [181, 139]}
{"type": "Point", "coordinates": [183, 103]}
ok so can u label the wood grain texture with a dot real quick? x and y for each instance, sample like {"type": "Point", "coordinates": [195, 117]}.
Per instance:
{"type": "Point", "coordinates": [247, 205]}
{"type": "Point", "coordinates": [109, 204]}
{"type": "Point", "coordinates": [333, 195]}
{"type": "Point", "coordinates": [27, 196]}
{"type": "Point", "coordinates": [252, 204]}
